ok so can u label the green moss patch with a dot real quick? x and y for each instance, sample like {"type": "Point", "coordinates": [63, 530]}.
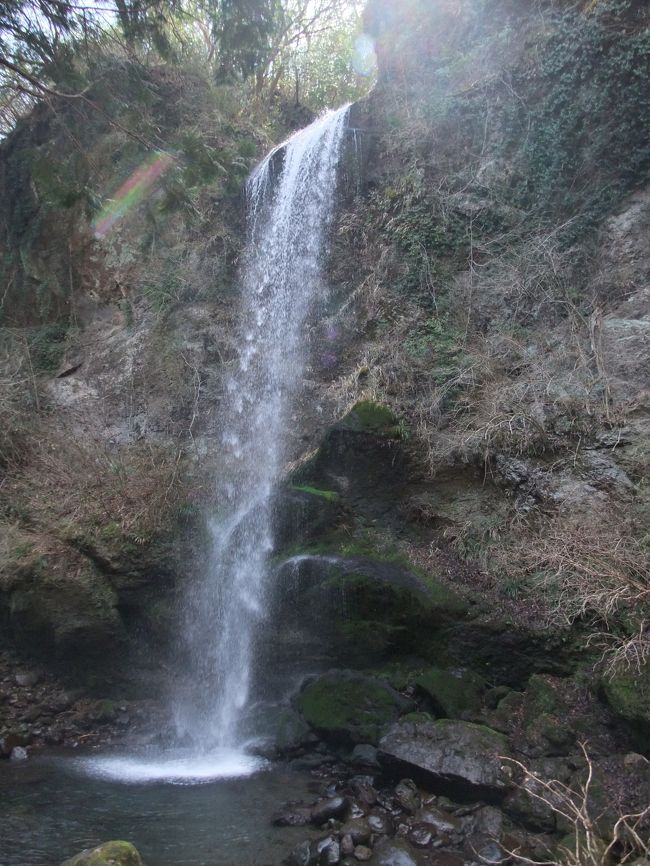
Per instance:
{"type": "Point", "coordinates": [628, 694]}
{"type": "Point", "coordinates": [328, 495]}
{"type": "Point", "coordinates": [109, 854]}
{"type": "Point", "coordinates": [350, 707]}
{"type": "Point", "coordinates": [451, 694]}
{"type": "Point", "coordinates": [369, 417]}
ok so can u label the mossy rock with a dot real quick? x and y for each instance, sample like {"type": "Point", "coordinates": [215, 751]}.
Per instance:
{"type": "Point", "coordinates": [349, 707]}
{"type": "Point", "coordinates": [369, 417]}
{"type": "Point", "coordinates": [452, 693]}
{"type": "Point", "coordinates": [302, 513]}
{"type": "Point", "coordinates": [628, 695]}
{"type": "Point", "coordinates": [108, 854]}
{"type": "Point", "coordinates": [62, 603]}
{"type": "Point", "coordinates": [541, 697]}
{"type": "Point", "coordinates": [365, 610]}
{"type": "Point", "coordinates": [509, 708]}
{"type": "Point", "coordinates": [290, 730]}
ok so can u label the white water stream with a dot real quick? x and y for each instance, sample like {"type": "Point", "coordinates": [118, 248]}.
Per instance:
{"type": "Point", "coordinates": [291, 199]}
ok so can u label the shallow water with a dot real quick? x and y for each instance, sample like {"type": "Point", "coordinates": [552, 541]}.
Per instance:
{"type": "Point", "coordinates": [53, 807]}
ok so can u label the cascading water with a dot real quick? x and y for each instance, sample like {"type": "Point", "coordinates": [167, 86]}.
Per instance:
{"type": "Point", "coordinates": [291, 199]}
{"type": "Point", "coordinates": [288, 219]}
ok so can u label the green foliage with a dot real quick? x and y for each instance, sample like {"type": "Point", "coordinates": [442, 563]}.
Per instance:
{"type": "Point", "coordinates": [595, 117]}
{"type": "Point", "coordinates": [428, 234]}
{"type": "Point", "coordinates": [435, 337]}
{"type": "Point", "coordinates": [574, 117]}
{"type": "Point", "coordinates": [323, 72]}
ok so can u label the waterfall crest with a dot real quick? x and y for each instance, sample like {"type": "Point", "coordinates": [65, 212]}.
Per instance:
{"type": "Point", "coordinates": [291, 199]}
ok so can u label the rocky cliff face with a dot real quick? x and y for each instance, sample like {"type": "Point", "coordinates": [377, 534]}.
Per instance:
{"type": "Point", "coordinates": [471, 442]}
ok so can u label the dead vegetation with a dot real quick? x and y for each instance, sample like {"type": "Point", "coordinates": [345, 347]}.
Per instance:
{"type": "Point", "coordinates": [19, 396]}
{"type": "Point", "coordinates": [71, 483]}
{"type": "Point", "coordinates": [587, 843]}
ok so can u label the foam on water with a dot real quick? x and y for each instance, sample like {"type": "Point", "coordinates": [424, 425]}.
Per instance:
{"type": "Point", "coordinates": [180, 768]}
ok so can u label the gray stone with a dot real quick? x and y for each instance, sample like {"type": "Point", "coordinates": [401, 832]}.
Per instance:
{"type": "Point", "coordinates": [18, 753]}
{"type": "Point", "coordinates": [292, 815]}
{"type": "Point", "coordinates": [358, 830]}
{"type": "Point", "coordinates": [464, 757]}
{"type": "Point", "coordinates": [334, 807]}
{"type": "Point", "coordinates": [381, 823]}
{"type": "Point", "coordinates": [301, 855]}
{"type": "Point", "coordinates": [329, 851]}
{"type": "Point", "coordinates": [406, 794]}
{"type": "Point", "coordinates": [441, 822]}
{"type": "Point", "coordinates": [421, 835]}
{"type": "Point", "coordinates": [396, 853]}
{"type": "Point", "coordinates": [365, 755]}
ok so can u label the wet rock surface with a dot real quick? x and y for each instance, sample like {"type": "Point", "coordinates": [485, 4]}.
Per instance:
{"type": "Point", "coordinates": [350, 707]}
{"type": "Point", "coordinates": [38, 711]}
{"type": "Point", "coordinates": [466, 757]}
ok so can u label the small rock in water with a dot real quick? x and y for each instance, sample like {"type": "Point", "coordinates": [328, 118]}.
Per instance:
{"type": "Point", "coordinates": [441, 821]}
{"type": "Point", "coordinates": [365, 755]}
{"type": "Point", "coordinates": [362, 853]}
{"type": "Point", "coordinates": [329, 851]}
{"type": "Point", "coordinates": [421, 835]}
{"type": "Point", "coordinates": [301, 855]}
{"type": "Point", "coordinates": [308, 762]}
{"type": "Point", "coordinates": [291, 815]}
{"type": "Point", "coordinates": [406, 794]}
{"type": "Point", "coordinates": [108, 854]}
{"type": "Point", "coordinates": [381, 824]}
{"type": "Point", "coordinates": [18, 753]}
{"type": "Point", "coordinates": [358, 830]}
{"type": "Point", "coordinates": [334, 807]}
{"type": "Point", "coordinates": [396, 854]}
{"type": "Point", "coordinates": [347, 845]}
{"type": "Point", "coordinates": [363, 790]}
{"type": "Point", "coordinates": [9, 742]}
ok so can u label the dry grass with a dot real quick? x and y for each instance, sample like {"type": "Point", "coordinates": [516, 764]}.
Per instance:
{"type": "Point", "coordinates": [627, 837]}
{"type": "Point", "coordinates": [18, 396]}
{"type": "Point", "coordinates": [70, 483]}
{"type": "Point", "coordinates": [589, 568]}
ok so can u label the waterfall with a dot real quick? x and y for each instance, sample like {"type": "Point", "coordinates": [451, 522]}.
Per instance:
{"type": "Point", "coordinates": [290, 204]}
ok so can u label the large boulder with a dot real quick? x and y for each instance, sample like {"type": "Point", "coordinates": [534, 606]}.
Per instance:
{"type": "Point", "coordinates": [301, 513]}
{"type": "Point", "coordinates": [452, 693]}
{"type": "Point", "coordinates": [361, 459]}
{"type": "Point", "coordinates": [349, 707]}
{"type": "Point", "coordinates": [452, 756]}
{"type": "Point", "coordinates": [358, 609]}
{"type": "Point", "coordinates": [108, 854]}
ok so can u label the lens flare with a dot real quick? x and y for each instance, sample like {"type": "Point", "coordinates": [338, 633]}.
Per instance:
{"type": "Point", "coordinates": [131, 192]}
{"type": "Point", "coordinates": [364, 59]}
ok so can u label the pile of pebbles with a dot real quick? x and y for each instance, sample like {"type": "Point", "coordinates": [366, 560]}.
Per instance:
{"type": "Point", "coordinates": [356, 822]}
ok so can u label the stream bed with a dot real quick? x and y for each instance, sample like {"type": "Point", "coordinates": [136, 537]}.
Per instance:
{"type": "Point", "coordinates": [54, 806]}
